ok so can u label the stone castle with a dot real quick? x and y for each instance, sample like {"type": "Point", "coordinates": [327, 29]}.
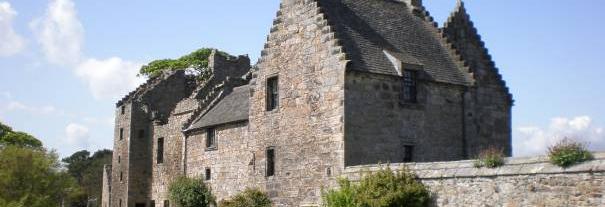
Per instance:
{"type": "Point", "coordinates": [339, 84]}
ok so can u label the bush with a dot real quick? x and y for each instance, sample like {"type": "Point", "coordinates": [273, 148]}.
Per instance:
{"type": "Point", "coordinates": [248, 198]}
{"type": "Point", "coordinates": [568, 152]}
{"type": "Point", "coordinates": [190, 192]}
{"type": "Point", "coordinates": [384, 188]}
{"type": "Point", "coordinates": [490, 158]}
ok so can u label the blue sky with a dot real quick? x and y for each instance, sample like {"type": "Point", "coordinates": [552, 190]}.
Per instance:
{"type": "Point", "coordinates": [64, 63]}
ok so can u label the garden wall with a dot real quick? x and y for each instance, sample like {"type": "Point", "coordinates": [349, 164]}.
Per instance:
{"type": "Point", "coordinates": [531, 181]}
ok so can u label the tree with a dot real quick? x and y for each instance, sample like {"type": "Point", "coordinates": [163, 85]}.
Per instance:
{"type": "Point", "coordinates": [191, 192]}
{"type": "Point", "coordinates": [197, 60]}
{"type": "Point", "coordinates": [33, 178]}
{"type": "Point", "coordinates": [88, 172]}
{"type": "Point", "coordinates": [248, 198]}
{"type": "Point", "coordinates": [22, 139]}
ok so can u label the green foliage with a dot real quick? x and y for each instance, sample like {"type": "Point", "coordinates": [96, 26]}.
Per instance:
{"type": "Point", "coordinates": [384, 188]}
{"type": "Point", "coordinates": [191, 192]}
{"type": "Point", "coordinates": [568, 152]}
{"type": "Point", "coordinates": [88, 172]}
{"type": "Point", "coordinates": [248, 198]}
{"type": "Point", "coordinates": [22, 139]}
{"type": "Point", "coordinates": [33, 178]}
{"type": "Point", "coordinates": [490, 158]}
{"type": "Point", "coordinates": [197, 60]}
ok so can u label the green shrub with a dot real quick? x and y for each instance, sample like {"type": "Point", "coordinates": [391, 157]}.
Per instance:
{"type": "Point", "coordinates": [384, 188]}
{"type": "Point", "coordinates": [568, 152]}
{"type": "Point", "coordinates": [248, 198]}
{"type": "Point", "coordinates": [491, 158]}
{"type": "Point", "coordinates": [190, 192]}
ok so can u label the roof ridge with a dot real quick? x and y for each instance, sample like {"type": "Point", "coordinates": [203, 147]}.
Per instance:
{"type": "Point", "coordinates": [460, 13]}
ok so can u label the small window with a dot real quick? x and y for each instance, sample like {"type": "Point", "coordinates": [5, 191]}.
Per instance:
{"type": "Point", "coordinates": [210, 138]}
{"type": "Point", "coordinates": [272, 93]}
{"type": "Point", "coordinates": [208, 175]}
{"type": "Point", "coordinates": [409, 86]}
{"type": "Point", "coordinates": [160, 152]}
{"type": "Point", "coordinates": [120, 203]}
{"type": "Point", "coordinates": [139, 205]}
{"type": "Point", "coordinates": [121, 133]}
{"type": "Point", "coordinates": [123, 109]}
{"type": "Point", "coordinates": [408, 151]}
{"type": "Point", "coordinates": [270, 162]}
{"type": "Point", "coordinates": [141, 133]}
{"type": "Point", "coordinates": [166, 203]}
{"type": "Point", "coordinates": [121, 176]}
{"type": "Point", "coordinates": [119, 159]}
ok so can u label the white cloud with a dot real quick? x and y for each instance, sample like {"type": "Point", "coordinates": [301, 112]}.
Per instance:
{"type": "Point", "coordinates": [61, 36]}
{"type": "Point", "coordinates": [77, 135]}
{"type": "Point", "coordinates": [11, 43]}
{"type": "Point", "coordinates": [533, 140]}
{"type": "Point", "coordinates": [60, 33]}
{"type": "Point", "coordinates": [13, 106]}
{"type": "Point", "coordinates": [109, 78]}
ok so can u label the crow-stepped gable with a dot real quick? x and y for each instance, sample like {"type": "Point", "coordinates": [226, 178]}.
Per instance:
{"type": "Point", "coordinates": [340, 83]}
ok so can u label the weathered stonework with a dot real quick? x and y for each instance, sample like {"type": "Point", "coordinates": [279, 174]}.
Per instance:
{"type": "Point", "coordinates": [521, 182]}
{"type": "Point", "coordinates": [339, 66]}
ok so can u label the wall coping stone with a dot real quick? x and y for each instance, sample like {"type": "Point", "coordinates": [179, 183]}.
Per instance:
{"type": "Point", "coordinates": [462, 169]}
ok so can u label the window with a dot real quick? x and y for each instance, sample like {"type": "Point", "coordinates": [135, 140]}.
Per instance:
{"type": "Point", "coordinates": [123, 109]}
{"type": "Point", "coordinates": [408, 151]}
{"type": "Point", "coordinates": [141, 133]}
{"type": "Point", "coordinates": [160, 152]}
{"type": "Point", "coordinates": [210, 138]}
{"type": "Point", "coordinates": [139, 205]}
{"type": "Point", "coordinates": [120, 203]}
{"type": "Point", "coordinates": [409, 86]}
{"type": "Point", "coordinates": [152, 203]}
{"type": "Point", "coordinates": [121, 176]}
{"type": "Point", "coordinates": [121, 133]}
{"type": "Point", "coordinates": [270, 162]}
{"type": "Point", "coordinates": [208, 174]}
{"type": "Point", "coordinates": [166, 203]}
{"type": "Point", "coordinates": [119, 159]}
{"type": "Point", "coordinates": [272, 94]}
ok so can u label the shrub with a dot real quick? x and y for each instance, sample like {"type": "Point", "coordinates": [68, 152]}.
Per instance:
{"type": "Point", "coordinates": [384, 188]}
{"type": "Point", "coordinates": [568, 152]}
{"type": "Point", "coordinates": [491, 158]}
{"type": "Point", "coordinates": [248, 198]}
{"type": "Point", "coordinates": [190, 192]}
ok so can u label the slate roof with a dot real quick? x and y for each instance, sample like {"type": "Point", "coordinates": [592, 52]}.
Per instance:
{"type": "Point", "coordinates": [233, 108]}
{"type": "Point", "coordinates": [369, 27]}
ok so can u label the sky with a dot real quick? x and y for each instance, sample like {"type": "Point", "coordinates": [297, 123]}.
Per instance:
{"type": "Point", "coordinates": [65, 63]}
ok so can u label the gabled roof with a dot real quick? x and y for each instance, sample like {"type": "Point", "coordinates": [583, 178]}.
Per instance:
{"type": "Point", "coordinates": [233, 108]}
{"type": "Point", "coordinates": [369, 27]}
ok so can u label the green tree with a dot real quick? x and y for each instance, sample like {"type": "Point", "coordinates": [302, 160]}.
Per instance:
{"type": "Point", "coordinates": [383, 188]}
{"type": "Point", "coordinates": [197, 60]}
{"type": "Point", "coordinates": [33, 178]}
{"type": "Point", "coordinates": [88, 172]}
{"type": "Point", "coordinates": [190, 192]}
{"type": "Point", "coordinates": [248, 198]}
{"type": "Point", "coordinates": [22, 139]}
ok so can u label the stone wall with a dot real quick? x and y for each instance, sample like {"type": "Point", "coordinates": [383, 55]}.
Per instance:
{"type": "Point", "coordinates": [521, 182]}
{"type": "Point", "coordinates": [306, 130]}
{"type": "Point", "coordinates": [106, 191]}
{"type": "Point", "coordinates": [379, 123]}
{"type": "Point", "coordinates": [232, 163]}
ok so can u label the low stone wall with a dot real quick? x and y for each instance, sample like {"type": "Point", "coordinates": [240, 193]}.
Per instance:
{"type": "Point", "coordinates": [529, 181]}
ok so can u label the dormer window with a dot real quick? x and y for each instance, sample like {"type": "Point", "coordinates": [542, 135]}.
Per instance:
{"type": "Point", "coordinates": [409, 86]}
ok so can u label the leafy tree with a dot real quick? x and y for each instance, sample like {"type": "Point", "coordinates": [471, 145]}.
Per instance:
{"type": "Point", "coordinates": [191, 192]}
{"type": "Point", "coordinates": [384, 188]}
{"type": "Point", "coordinates": [248, 198]}
{"type": "Point", "coordinates": [22, 139]}
{"type": "Point", "coordinates": [88, 172]}
{"type": "Point", "coordinates": [197, 60]}
{"type": "Point", "coordinates": [33, 178]}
